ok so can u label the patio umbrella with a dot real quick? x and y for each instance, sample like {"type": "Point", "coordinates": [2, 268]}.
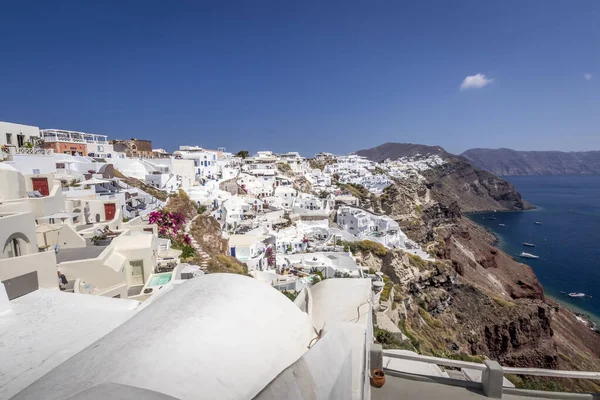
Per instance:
{"type": "Point", "coordinates": [93, 181]}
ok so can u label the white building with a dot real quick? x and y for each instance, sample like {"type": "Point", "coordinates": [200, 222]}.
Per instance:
{"type": "Point", "coordinates": [18, 135]}
{"type": "Point", "coordinates": [205, 161]}
{"type": "Point", "coordinates": [81, 143]}
{"type": "Point", "coordinates": [356, 221]}
{"type": "Point", "coordinates": [286, 364]}
{"type": "Point", "coordinates": [287, 195]}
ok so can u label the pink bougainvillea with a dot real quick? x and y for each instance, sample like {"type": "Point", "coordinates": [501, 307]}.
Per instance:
{"type": "Point", "coordinates": [270, 257]}
{"type": "Point", "coordinates": [170, 226]}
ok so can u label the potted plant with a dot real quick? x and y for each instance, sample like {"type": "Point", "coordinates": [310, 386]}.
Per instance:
{"type": "Point", "coordinates": [101, 240]}
{"type": "Point", "coordinates": [378, 377]}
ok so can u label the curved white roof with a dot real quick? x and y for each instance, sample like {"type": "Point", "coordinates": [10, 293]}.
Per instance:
{"type": "Point", "coordinates": [219, 336]}
{"type": "Point", "coordinates": [12, 183]}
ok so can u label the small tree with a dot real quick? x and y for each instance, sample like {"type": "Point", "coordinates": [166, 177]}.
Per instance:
{"type": "Point", "coordinates": [242, 154]}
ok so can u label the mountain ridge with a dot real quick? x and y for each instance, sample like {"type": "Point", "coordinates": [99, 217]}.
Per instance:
{"type": "Point", "coordinates": [457, 180]}
{"type": "Point", "coordinates": [509, 162]}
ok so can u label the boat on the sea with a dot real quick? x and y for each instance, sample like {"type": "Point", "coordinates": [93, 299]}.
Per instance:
{"type": "Point", "coordinates": [576, 294]}
{"type": "Point", "coordinates": [528, 255]}
{"type": "Point", "coordinates": [538, 223]}
{"type": "Point", "coordinates": [528, 244]}
{"type": "Point", "coordinates": [492, 218]}
{"type": "Point", "coordinates": [501, 225]}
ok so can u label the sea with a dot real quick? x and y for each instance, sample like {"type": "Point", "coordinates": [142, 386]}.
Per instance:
{"type": "Point", "coordinates": [567, 241]}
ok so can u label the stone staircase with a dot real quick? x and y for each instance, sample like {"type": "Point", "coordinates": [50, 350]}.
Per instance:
{"type": "Point", "coordinates": [205, 257]}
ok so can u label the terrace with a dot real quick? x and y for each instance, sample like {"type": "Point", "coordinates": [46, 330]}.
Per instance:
{"type": "Point", "coordinates": [54, 135]}
{"type": "Point", "coordinates": [413, 376]}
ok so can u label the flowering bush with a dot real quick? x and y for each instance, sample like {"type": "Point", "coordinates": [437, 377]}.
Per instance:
{"type": "Point", "coordinates": [270, 257]}
{"type": "Point", "coordinates": [170, 226]}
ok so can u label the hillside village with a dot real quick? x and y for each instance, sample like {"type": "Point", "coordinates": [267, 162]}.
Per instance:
{"type": "Point", "coordinates": [95, 230]}
{"type": "Point", "coordinates": [83, 214]}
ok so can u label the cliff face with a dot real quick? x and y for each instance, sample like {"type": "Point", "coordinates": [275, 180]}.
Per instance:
{"type": "Point", "coordinates": [394, 151]}
{"type": "Point", "coordinates": [475, 300]}
{"type": "Point", "coordinates": [456, 180]}
{"type": "Point", "coordinates": [472, 189]}
{"type": "Point", "coordinates": [507, 162]}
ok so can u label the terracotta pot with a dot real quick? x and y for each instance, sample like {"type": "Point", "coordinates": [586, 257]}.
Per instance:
{"type": "Point", "coordinates": [378, 377]}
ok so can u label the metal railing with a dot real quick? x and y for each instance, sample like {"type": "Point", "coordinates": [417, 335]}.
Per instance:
{"type": "Point", "coordinates": [435, 360]}
{"type": "Point", "coordinates": [493, 373]}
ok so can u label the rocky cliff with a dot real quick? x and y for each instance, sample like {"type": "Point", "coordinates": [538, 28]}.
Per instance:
{"type": "Point", "coordinates": [507, 162]}
{"type": "Point", "coordinates": [394, 151]}
{"type": "Point", "coordinates": [456, 180]}
{"type": "Point", "coordinates": [473, 189]}
{"type": "Point", "coordinates": [474, 300]}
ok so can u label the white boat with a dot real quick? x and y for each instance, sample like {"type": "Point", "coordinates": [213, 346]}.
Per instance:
{"type": "Point", "coordinates": [528, 244]}
{"type": "Point", "coordinates": [528, 255]}
{"type": "Point", "coordinates": [577, 294]}
{"type": "Point", "coordinates": [538, 223]}
{"type": "Point", "coordinates": [501, 225]}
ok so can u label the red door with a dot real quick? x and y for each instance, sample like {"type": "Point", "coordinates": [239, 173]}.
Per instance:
{"type": "Point", "coordinates": [109, 211]}
{"type": "Point", "coordinates": [41, 185]}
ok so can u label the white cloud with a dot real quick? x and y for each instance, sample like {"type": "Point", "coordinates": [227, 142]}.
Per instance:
{"type": "Point", "coordinates": [475, 82]}
{"type": "Point", "coordinates": [587, 76]}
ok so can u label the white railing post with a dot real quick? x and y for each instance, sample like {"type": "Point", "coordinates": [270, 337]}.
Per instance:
{"type": "Point", "coordinates": [492, 379]}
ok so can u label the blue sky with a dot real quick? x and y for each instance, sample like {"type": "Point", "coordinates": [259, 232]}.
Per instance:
{"type": "Point", "coordinates": [307, 76]}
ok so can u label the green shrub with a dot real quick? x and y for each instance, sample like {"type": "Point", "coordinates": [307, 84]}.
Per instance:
{"type": "Point", "coordinates": [417, 261]}
{"type": "Point", "coordinates": [391, 340]}
{"type": "Point", "coordinates": [290, 294]}
{"type": "Point", "coordinates": [416, 344]}
{"type": "Point", "coordinates": [387, 288]}
{"type": "Point", "coordinates": [501, 302]}
{"type": "Point", "coordinates": [187, 251]}
{"type": "Point", "coordinates": [466, 357]}
{"type": "Point", "coordinates": [429, 319]}
{"type": "Point", "coordinates": [367, 246]}
{"type": "Point", "coordinates": [398, 298]}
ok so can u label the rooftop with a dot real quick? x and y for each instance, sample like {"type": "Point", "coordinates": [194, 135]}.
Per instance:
{"type": "Point", "coordinates": [46, 327]}
{"type": "Point", "coordinates": [198, 341]}
{"type": "Point", "coordinates": [83, 253]}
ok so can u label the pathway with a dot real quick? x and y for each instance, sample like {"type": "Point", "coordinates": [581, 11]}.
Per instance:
{"type": "Point", "coordinates": [203, 255]}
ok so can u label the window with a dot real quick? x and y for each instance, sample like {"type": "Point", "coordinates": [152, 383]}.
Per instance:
{"type": "Point", "coordinates": [14, 248]}
{"type": "Point", "coordinates": [9, 138]}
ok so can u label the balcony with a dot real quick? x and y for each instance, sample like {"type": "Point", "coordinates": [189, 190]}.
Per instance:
{"type": "Point", "coordinates": [63, 138]}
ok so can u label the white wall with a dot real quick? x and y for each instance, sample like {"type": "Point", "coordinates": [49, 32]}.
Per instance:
{"type": "Point", "coordinates": [92, 271]}
{"type": "Point", "coordinates": [102, 150]}
{"type": "Point", "coordinates": [147, 255]}
{"type": "Point", "coordinates": [131, 167]}
{"type": "Point", "coordinates": [62, 234]}
{"type": "Point", "coordinates": [20, 226]}
{"type": "Point", "coordinates": [44, 263]}
{"type": "Point", "coordinates": [28, 163]}
{"type": "Point", "coordinates": [184, 169]}
{"type": "Point", "coordinates": [17, 129]}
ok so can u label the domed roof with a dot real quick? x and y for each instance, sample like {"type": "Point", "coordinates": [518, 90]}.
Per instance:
{"type": "Point", "coordinates": [12, 183]}
{"type": "Point", "coordinates": [7, 167]}
{"type": "Point", "coordinates": [218, 336]}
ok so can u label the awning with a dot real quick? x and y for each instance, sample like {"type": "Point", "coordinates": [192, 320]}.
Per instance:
{"type": "Point", "coordinates": [93, 181]}
{"type": "Point", "coordinates": [60, 215]}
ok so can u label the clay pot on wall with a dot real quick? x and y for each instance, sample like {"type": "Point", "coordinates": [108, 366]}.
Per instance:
{"type": "Point", "coordinates": [378, 377]}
